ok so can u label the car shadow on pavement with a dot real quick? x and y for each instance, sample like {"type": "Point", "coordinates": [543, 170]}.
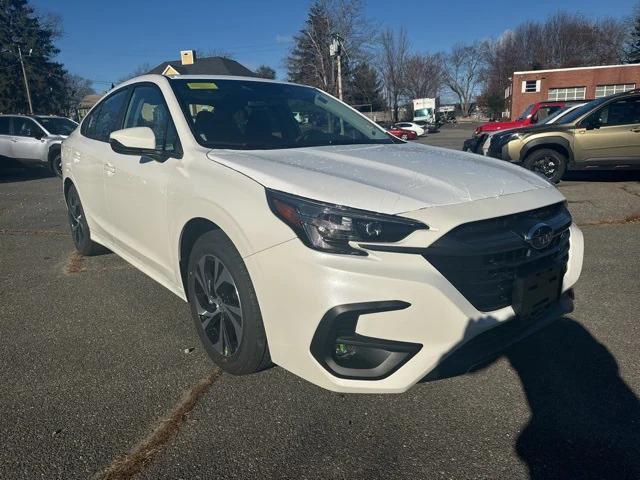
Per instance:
{"type": "Point", "coordinates": [585, 420]}
{"type": "Point", "coordinates": [13, 171]}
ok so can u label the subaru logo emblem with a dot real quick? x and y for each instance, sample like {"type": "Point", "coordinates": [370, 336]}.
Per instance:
{"type": "Point", "coordinates": [539, 236]}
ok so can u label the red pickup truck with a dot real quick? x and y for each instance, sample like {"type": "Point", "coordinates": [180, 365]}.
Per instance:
{"type": "Point", "coordinates": [532, 114]}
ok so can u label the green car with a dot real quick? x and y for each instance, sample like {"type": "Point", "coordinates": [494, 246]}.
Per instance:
{"type": "Point", "coordinates": [602, 134]}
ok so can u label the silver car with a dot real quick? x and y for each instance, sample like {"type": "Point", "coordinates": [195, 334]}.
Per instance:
{"type": "Point", "coordinates": [34, 138]}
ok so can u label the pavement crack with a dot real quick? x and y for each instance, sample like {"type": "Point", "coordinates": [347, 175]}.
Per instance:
{"type": "Point", "coordinates": [18, 231]}
{"type": "Point", "coordinates": [635, 218]}
{"type": "Point", "coordinates": [128, 465]}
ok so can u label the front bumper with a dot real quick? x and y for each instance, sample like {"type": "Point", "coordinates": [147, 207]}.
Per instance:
{"type": "Point", "coordinates": [299, 288]}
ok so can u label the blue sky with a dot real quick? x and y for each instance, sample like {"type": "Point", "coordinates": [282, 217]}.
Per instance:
{"type": "Point", "coordinates": [105, 40]}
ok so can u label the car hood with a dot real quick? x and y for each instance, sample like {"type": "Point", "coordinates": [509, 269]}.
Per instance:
{"type": "Point", "coordinates": [493, 126]}
{"type": "Point", "coordinates": [389, 179]}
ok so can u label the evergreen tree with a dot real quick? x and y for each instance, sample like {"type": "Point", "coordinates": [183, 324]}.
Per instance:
{"type": "Point", "coordinates": [309, 61]}
{"type": "Point", "coordinates": [365, 90]}
{"type": "Point", "coordinates": [21, 28]}
{"type": "Point", "coordinates": [632, 53]}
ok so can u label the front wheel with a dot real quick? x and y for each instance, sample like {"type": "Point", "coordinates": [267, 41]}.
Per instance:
{"type": "Point", "coordinates": [547, 163]}
{"type": "Point", "coordinates": [224, 306]}
{"type": "Point", "coordinates": [55, 164]}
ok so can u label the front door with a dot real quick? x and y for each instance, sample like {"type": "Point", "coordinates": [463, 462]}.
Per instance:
{"type": "Point", "coordinates": [611, 135]}
{"type": "Point", "coordinates": [28, 140]}
{"type": "Point", "coordinates": [138, 187]}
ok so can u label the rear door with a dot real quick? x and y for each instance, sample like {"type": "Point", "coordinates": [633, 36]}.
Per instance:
{"type": "Point", "coordinates": [5, 137]}
{"type": "Point", "coordinates": [611, 135]}
{"type": "Point", "coordinates": [138, 187]}
{"type": "Point", "coordinates": [28, 140]}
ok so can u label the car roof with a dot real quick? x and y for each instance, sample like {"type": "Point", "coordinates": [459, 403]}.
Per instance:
{"type": "Point", "coordinates": [157, 78]}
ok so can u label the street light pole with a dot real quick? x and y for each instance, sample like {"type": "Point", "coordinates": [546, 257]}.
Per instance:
{"type": "Point", "coordinates": [26, 83]}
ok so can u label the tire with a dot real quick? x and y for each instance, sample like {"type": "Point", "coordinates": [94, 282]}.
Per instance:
{"type": "Point", "coordinates": [55, 164]}
{"type": "Point", "coordinates": [224, 306]}
{"type": "Point", "coordinates": [79, 227]}
{"type": "Point", "coordinates": [547, 163]}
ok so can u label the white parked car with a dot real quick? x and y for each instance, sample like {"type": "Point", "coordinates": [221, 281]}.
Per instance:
{"type": "Point", "coordinates": [331, 248]}
{"type": "Point", "coordinates": [414, 127]}
{"type": "Point", "coordinates": [35, 138]}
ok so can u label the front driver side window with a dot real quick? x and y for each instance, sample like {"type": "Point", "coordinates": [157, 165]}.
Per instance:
{"type": "Point", "coordinates": [622, 112]}
{"type": "Point", "coordinates": [25, 127]}
{"type": "Point", "coordinates": [109, 116]}
{"type": "Point", "coordinates": [148, 109]}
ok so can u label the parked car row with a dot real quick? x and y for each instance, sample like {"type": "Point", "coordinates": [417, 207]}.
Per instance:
{"type": "Point", "coordinates": [34, 138]}
{"type": "Point", "coordinates": [600, 134]}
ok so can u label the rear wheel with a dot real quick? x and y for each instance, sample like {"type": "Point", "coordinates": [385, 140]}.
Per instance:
{"type": "Point", "coordinates": [79, 227]}
{"type": "Point", "coordinates": [547, 163]}
{"type": "Point", "coordinates": [224, 306]}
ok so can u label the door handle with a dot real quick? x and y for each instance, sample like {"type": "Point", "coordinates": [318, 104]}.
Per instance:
{"type": "Point", "coordinates": [636, 130]}
{"type": "Point", "coordinates": [109, 169]}
{"type": "Point", "coordinates": [14, 139]}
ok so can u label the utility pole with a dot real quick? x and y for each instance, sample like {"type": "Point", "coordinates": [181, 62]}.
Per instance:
{"type": "Point", "coordinates": [26, 83]}
{"type": "Point", "coordinates": [335, 50]}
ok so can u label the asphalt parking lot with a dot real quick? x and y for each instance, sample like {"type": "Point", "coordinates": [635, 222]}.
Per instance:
{"type": "Point", "coordinates": [102, 374]}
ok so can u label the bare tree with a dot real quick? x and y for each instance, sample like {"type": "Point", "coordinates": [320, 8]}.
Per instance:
{"type": "Point", "coordinates": [309, 61]}
{"type": "Point", "coordinates": [394, 55]}
{"type": "Point", "coordinates": [463, 68]}
{"type": "Point", "coordinates": [141, 69]}
{"type": "Point", "coordinates": [424, 75]}
{"type": "Point", "coordinates": [214, 52]}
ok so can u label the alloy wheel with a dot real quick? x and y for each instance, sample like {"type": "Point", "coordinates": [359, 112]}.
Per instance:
{"type": "Point", "coordinates": [546, 166]}
{"type": "Point", "coordinates": [218, 305]}
{"type": "Point", "coordinates": [57, 166]}
{"type": "Point", "coordinates": [76, 217]}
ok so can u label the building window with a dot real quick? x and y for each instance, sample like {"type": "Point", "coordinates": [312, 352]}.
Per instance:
{"type": "Point", "coordinates": [530, 86]}
{"type": "Point", "coordinates": [571, 93]}
{"type": "Point", "coordinates": [606, 90]}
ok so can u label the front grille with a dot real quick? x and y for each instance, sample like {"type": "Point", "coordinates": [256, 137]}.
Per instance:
{"type": "Point", "coordinates": [483, 259]}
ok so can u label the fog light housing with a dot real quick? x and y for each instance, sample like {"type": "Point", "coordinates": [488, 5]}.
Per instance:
{"type": "Point", "coordinates": [346, 354]}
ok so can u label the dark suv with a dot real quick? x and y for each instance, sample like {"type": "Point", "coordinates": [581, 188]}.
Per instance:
{"type": "Point", "coordinates": [602, 134]}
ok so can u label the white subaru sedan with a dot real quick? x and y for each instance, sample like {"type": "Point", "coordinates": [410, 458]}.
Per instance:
{"type": "Point", "coordinates": [302, 234]}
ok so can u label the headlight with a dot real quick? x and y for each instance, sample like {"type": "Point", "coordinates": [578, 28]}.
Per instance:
{"type": "Point", "coordinates": [330, 228]}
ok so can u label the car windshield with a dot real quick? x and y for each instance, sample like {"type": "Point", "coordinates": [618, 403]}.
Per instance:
{"type": "Point", "coordinates": [580, 111]}
{"type": "Point", "coordinates": [526, 113]}
{"type": "Point", "coordinates": [552, 118]}
{"type": "Point", "coordinates": [253, 115]}
{"type": "Point", "coordinates": [58, 125]}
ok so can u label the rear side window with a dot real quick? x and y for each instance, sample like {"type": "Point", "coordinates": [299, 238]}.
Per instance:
{"type": "Point", "coordinates": [106, 117]}
{"type": "Point", "coordinates": [148, 109]}
{"type": "Point", "coordinates": [5, 126]}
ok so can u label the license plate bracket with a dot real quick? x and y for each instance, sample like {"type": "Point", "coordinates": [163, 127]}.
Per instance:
{"type": "Point", "coordinates": [534, 292]}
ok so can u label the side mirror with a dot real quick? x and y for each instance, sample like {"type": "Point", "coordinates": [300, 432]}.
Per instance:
{"type": "Point", "coordinates": [135, 141]}
{"type": "Point", "coordinates": [592, 125]}
{"type": "Point", "coordinates": [38, 134]}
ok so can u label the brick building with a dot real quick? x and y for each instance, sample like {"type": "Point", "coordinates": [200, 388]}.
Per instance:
{"type": "Point", "coordinates": [580, 83]}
